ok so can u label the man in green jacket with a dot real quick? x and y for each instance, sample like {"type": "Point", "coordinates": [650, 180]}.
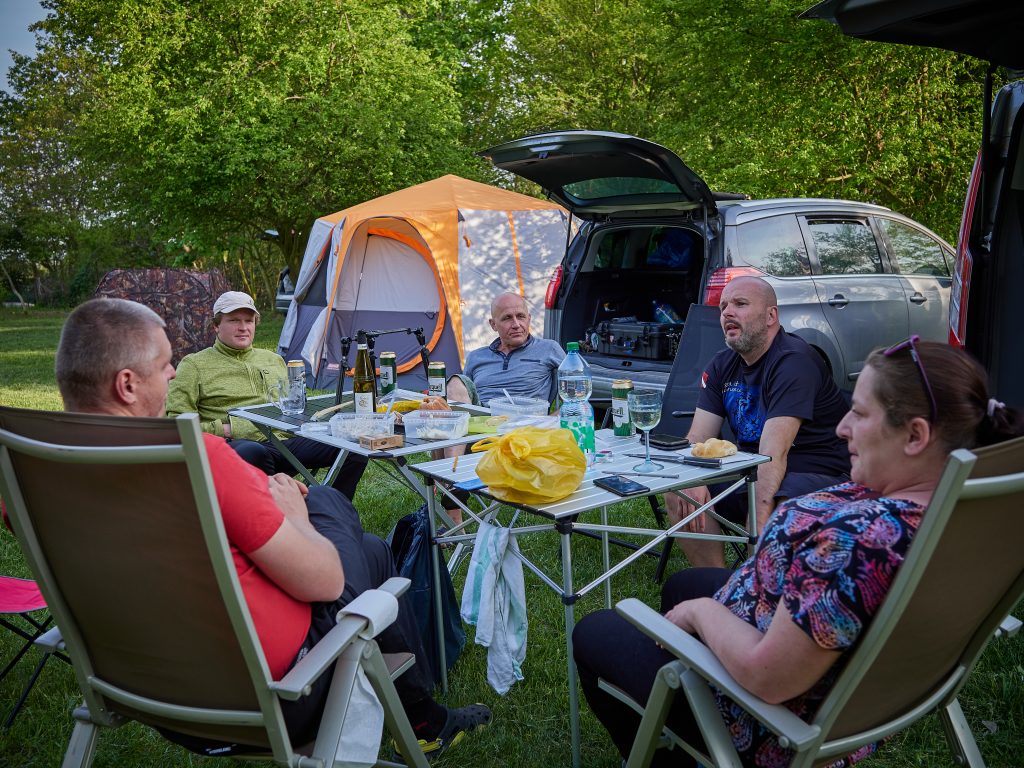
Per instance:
{"type": "Point", "coordinates": [231, 374]}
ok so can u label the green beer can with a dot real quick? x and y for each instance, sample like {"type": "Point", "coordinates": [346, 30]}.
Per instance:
{"type": "Point", "coordinates": [436, 379]}
{"type": "Point", "coordinates": [620, 408]}
{"type": "Point", "coordinates": [388, 373]}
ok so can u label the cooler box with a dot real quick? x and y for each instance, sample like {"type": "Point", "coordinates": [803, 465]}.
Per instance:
{"type": "Point", "coordinates": [644, 341]}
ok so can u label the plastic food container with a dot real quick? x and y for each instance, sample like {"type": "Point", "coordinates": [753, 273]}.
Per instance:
{"type": "Point", "coordinates": [518, 408]}
{"type": "Point", "coordinates": [541, 422]}
{"type": "Point", "coordinates": [352, 426]}
{"type": "Point", "coordinates": [436, 425]}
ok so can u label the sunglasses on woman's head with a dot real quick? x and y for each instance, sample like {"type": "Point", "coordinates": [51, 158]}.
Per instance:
{"type": "Point", "coordinates": [911, 344]}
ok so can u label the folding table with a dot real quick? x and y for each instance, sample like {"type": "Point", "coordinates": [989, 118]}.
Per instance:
{"type": "Point", "coordinates": [561, 517]}
{"type": "Point", "coordinates": [270, 420]}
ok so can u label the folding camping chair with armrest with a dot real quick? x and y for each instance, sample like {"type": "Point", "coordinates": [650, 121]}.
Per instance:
{"type": "Point", "coordinates": [120, 524]}
{"type": "Point", "coordinates": [950, 598]}
{"type": "Point", "coordinates": [21, 598]}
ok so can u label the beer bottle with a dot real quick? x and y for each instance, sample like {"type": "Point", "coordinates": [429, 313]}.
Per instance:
{"type": "Point", "coordinates": [364, 383]}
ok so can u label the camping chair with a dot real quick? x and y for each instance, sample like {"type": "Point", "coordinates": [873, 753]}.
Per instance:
{"type": "Point", "coordinates": [119, 521]}
{"type": "Point", "coordinates": [21, 598]}
{"type": "Point", "coordinates": [951, 596]}
{"type": "Point", "coordinates": [702, 338]}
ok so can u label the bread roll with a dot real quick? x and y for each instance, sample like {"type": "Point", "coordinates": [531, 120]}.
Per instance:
{"type": "Point", "coordinates": [714, 449]}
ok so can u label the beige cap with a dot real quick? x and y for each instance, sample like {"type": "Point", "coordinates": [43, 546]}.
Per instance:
{"type": "Point", "coordinates": [232, 300]}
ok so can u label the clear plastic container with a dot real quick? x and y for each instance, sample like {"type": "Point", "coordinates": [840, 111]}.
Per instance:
{"type": "Point", "coordinates": [520, 406]}
{"type": "Point", "coordinates": [352, 426]}
{"type": "Point", "coordinates": [436, 425]}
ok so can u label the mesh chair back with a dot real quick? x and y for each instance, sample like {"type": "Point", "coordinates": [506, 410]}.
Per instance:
{"type": "Point", "coordinates": [970, 582]}
{"type": "Point", "coordinates": [702, 338]}
{"type": "Point", "coordinates": [130, 571]}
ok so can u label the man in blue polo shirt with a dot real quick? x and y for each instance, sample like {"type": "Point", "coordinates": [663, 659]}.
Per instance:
{"type": "Point", "coordinates": [515, 361]}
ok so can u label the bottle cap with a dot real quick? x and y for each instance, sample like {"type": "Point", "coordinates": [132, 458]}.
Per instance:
{"type": "Point", "coordinates": [572, 346]}
{"type": "Point", "coordinates": [361, 337]}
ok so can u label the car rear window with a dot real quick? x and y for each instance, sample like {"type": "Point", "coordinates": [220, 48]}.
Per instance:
{"type": "Point", "coordinates": [845, 247]}
{"type": "Point", "coordinates": [620, 186]}
{"type": "Point", "coordinates": [774, 246]}
{"type": "Point", "coordinates": [913, 251]}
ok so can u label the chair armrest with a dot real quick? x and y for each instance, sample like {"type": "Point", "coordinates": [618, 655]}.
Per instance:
{"type": "Point", "coordinates": [698, 657]}
{"type": "Point", "coordinates": [396, 585]}
{"type": "Point", "coordinates": [51, 641]}
{"type": "Point", "coordinates": [1009, 627]}
{"type": "Point", "coordinates": [298, 681]}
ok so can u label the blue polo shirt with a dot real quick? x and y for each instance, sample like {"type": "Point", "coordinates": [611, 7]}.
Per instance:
{"type": "Point", "coordinates": [527, 371]}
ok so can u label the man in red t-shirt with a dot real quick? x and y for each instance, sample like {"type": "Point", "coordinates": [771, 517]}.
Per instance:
{"type": "Point", "coordinates": [301, 554]}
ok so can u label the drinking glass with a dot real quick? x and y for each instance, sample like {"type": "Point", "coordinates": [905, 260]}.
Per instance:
{"type": "Point", "coordinates": [291, 399]}
{"type": "Point", "coordinates": [645, 412]}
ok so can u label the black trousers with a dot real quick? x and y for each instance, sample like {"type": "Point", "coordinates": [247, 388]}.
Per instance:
{"type": "Point", "coordinates": [368, 563]}
{"type": "Point", "coordinates": [607, 646]}
{"type": "Point", "coordinates": [311, 453]}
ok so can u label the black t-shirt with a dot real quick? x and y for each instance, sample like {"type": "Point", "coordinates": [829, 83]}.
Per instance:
{"type": "Point", "coordinates": [790, 379]}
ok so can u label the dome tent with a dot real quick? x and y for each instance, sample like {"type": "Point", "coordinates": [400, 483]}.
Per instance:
{"type": "Point", "coordinates": [431, 256]}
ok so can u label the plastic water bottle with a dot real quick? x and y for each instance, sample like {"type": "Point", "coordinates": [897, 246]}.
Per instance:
{"type": "Point", "coordinates": [575, 384]}
{"type": "Point", "coordinates": [664, 313]}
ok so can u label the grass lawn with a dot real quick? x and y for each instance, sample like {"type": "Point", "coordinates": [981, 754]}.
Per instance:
{"type": "Point", "coordinates": [530, 726]}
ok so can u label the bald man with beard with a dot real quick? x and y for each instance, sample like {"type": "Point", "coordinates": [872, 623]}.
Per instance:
{"type": "Point", "coordinates": [780, 401]}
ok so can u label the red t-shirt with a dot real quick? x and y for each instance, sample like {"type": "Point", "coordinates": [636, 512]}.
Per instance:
{"type": "Point", "coordinates": [251, 518]}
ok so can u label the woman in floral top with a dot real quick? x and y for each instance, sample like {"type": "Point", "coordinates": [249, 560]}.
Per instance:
{"type": "Point", "coordinates": [784, 622]}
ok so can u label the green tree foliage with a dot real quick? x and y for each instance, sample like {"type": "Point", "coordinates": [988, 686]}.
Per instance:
{"type": "Point", "coordinates": [751, 98]}
{"type": "Point", "coordinates": [156, 131]}
{"type": "Point", "coordinates": [221, 119]}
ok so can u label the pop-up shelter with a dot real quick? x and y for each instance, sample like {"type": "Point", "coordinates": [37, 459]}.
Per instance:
{"type": "Point", "coordinates": [431, 256]}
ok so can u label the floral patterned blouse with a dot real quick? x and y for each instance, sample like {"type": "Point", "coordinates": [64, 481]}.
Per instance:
{"type": "Point", "coordinates": [830, 557]}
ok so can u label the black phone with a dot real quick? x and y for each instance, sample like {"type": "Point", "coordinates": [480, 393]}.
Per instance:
{"type": "Point", "coordinates": [667, 442]}
{"type": "Point", "coordinates": [621, 486]}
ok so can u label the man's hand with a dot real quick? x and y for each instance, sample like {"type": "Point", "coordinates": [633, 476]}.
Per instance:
{"type": "Point", "coordinates": [290, 496]}
{"type": "Point", "coordinates": [678, 508]}
{"type": "Point", "coordinates": [227, 430]}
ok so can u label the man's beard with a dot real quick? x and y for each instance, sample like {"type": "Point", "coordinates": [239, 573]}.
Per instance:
{"type": "Point", "coordinates": [748, 341]}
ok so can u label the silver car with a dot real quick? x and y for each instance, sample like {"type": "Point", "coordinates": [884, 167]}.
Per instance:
{"type": "Point", "coordinates": [654, 239]}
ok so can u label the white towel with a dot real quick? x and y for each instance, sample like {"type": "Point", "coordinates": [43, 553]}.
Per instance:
{"type": "Point", "coordinates": [363, 727]}
{"type": "Point", "coordinates": [494, 601]}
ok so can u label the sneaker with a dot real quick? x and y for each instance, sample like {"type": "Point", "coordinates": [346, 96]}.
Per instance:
{"type": "Point", "coordinates": [460, 722]}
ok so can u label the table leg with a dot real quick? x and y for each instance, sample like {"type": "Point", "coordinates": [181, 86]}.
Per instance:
{"type": "Point", "coordinates": [751, 509]}
{"type": "Point", "coordinates": [606, 559]}
{"type": "Point", "coordinates": [276, 442]}
{"type": "Point", "coordinates": [569, 600]}
{"type": "Point", "coordinates": [435, 564]}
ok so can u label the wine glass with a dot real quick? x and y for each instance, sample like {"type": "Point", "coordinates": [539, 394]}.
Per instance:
{"type": "Point", "coordinates": [645, 413]}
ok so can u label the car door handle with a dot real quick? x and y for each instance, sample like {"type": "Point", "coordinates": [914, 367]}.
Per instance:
{"type": "Point", "coordinates": [918, 298]}
{"type": "Point", "coordinates": [838, 301]}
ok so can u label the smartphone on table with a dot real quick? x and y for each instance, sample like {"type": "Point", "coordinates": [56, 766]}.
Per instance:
{"type": "Point", "coordinates": [668, 442]}
{"type": "Point", "coordinates": [621, 486]}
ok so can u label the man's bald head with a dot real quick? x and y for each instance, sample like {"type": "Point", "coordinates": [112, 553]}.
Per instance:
{"type": "Point", "coordinates": [750, 317]}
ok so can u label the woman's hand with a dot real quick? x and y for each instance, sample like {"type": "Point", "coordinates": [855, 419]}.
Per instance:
{"type": "Point", "coordinates": [681, 615]}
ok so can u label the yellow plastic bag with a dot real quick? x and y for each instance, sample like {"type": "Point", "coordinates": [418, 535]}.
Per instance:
{"type": "Point", "coordinates": [531, 465]}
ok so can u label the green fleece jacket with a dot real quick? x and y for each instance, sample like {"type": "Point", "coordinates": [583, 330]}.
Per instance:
{"type": "Point", "coordinates": [220, 377]}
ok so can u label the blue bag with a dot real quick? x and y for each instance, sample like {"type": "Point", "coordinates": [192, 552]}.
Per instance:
{"type": "Point", "coordinates": [410, 546]}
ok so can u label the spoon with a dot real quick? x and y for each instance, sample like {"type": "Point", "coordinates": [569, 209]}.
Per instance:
{"type": "Point", "coordinates": [510, 399]}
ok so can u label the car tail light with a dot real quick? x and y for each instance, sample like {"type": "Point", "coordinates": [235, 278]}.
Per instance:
{"type": "Point", "coordinates": [720, 278]}
{"type": "Point", "coordinates": [553, 285]}
{"type": "Point", "coordinates": [961, 287]}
